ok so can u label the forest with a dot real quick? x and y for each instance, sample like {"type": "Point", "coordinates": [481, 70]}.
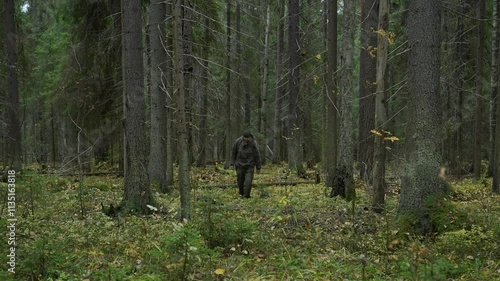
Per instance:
{"type": "Point", "coordinates": [375, 122]}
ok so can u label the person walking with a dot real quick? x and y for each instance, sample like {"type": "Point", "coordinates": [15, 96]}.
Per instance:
{"type": "Point", "coordinates": [245, 157]}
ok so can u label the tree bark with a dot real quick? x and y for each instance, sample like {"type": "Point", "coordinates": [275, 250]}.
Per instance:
{"type": "Point", "coordinates": [236, 99]}
{"type": "Point", "coordinates": [158, 92]}
{"type": "Point", "coordinates": [182, 130]}
{"type": "Point", "coordinates": [228, 132]}
{"type": "Point", "coordinates": [378, 199]}
{"type": "Point", "coordinates": [116, 11]}
{"type": "Point", "coordinates": [331, 95]}
{"type": "Point", "coordinates": [479, 93]}
{"type": "Point", "coordinates": [204, 97]}
{"type": "Point", "coordinates": [346, 88]}
{"type": "Point", "coordinates": [170, 142]}
{"type": "Point", "coordinates": [495, 54]}
{"type": "Point", "coordinates": [279, 94]}
{"type": "Point", "coordinates": [263, 109]}
{"type": "Point", "coordinates": [292, 128]}
{"type": "Point", "coordinates": [457, 155]}
{"type": "Point", "coordinates": [420, 185]}
{"type": "Point", "coordinates": [137, 193]}
{"type": "Point", "coordinates": [367, 86]}
{"type": "Point", "coordinates": [496, 50]}
{"type": "Point", "coordinates": [14, 124]}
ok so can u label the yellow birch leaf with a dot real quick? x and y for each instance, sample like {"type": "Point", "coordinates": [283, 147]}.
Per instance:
{"type": "Point", "coordinates": [392, 138]}
{"type": "Point", "coordinates": [219, 271]}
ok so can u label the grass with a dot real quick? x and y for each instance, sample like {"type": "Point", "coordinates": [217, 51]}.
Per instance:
{"type": "Point", "coordinates": [294, 234]}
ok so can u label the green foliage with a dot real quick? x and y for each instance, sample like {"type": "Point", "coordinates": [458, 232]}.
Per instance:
{"type": "Point", "coordinates": [471, 243]}
{"type": "Point", "coordinates": [178, 253]}
{"type": "Point", "coordinates": [296, 233]}
{"type": "Point", "coordinates": [223, 232]}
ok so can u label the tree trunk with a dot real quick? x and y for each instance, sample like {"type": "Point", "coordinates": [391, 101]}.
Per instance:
{"type": "Point", "coordinates": [182, 130]}
{"type": "Point", "coordinates": [187, 38]}
{"type": "Point", "coordinates": [158, 92]}
{"type": "Point", "coordinates": [170, 100]}
{"type": "Point", "coordinates": [116, 12]}
{"type": "Point", "coordinates": [367, 86]}
{"type": "Point", "coordinates": [14, 124]}
{"type": "Point", "coordinates": [228, 124]}
{"type": "Point", "coordinates": [496, 177]}
{"type": "Point", "coordinates": [137, 193]}
{"type": "Point", "coordinates": [346, 142]}
{"type": "Point", "coordinates": [496, 150]}
{"type": "Point", "coordinates": [263, 109]}
{"type": "Point", "coordinates": [292, 128]}
{"type": "Point", "coordinates": [308, 66]}
{"type": "Point", "coordinates": [236, 113]}
{"type": "Point", "coordinates": [378, 200]}
{"type": "Point", "coordinates": [204, 97]}
{"type": "Point", "coordinates": [479, 93]}
{"type": "Point", "coordinates": [457, 155]}
{"type": "Point", "coordinates": [279, 94]}
{"type": "Point", "coordinates": [420, 185]}
{"type": "Point", "coordinates": [495, 54]}
{"type": "Point", "coordinates": [331, 84]}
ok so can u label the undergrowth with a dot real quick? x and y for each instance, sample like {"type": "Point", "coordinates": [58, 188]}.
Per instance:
{"type": "Point", "coordinates": [292, 233]}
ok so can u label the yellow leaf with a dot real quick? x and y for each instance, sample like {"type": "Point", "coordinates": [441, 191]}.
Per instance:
{"type": "Point", "coordinates": [392, 138]}
{"type": "Point", "coordinates": [315, 79]}
{"type": "Point", "coordinates": [219, 271]}
{"type": "Point", "coordinates": [375, 132]}
{"type": "Point", "coordinates": [318, 56]}
{"type": "Point", "coordinates": [391, 38]}
{"type": "Point", "coordinates": [381, 32]}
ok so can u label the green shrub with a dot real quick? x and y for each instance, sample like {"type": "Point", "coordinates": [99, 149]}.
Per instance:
{"type": "Point", "coordinates": [178, 253]}
{"type": "Point", "coordinates": [223, 231]}
{"type": "Point", "coordinates": [467, 244]}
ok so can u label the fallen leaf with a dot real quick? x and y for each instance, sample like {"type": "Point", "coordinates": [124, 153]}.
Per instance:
{"type": "Point", "coordinates": [219, 271]}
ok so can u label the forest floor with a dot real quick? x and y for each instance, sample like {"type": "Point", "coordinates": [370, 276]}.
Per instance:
{"type": "Point", "coordinates": [284, 232]}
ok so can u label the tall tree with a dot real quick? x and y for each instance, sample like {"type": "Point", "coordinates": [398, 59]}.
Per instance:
{"type": "Point", "coordinates": [292, 128]}
{"type": "Point", "coordinates": [280, 88]}
{"type": "Point", "coordinates": [158, 92]}
{"type": "Point", "coordinates": [182, 129]}
{"type": "Point", "coordinates": [137, 193]}
{"type": "Point", "coordinates": [495, 76]}
{"type": "Point", "coordinates": [116, 11]}
{"type": "Point", "coordinates": [346, 89]}
{"type": "Point", "coordinates": [227, 64]}
{"type": "Point", "coordinates": [201, 160]}
{"type": "Point", "coordinates": [170, 90]}
{"type": "Point", "coordinates": [457, 155]}
{"type": "Point", "coordinates": [263, 109]}
{"type": "Point", "coordinates": [495, 54]}
{"type": "Point", "coordinates": [420, 183]}
{"type": "Point", "coordinates": [378, 199]}
{"type": "Point", "coordinates": [331, 93]}
{"type": "Point", "coordinates": [14, 124]}
{"type": "Point", "coordinates": [236, 113]}
{"type": "Point", "coordinates": [367, 86]}
{"type": "Point", "coordinates": [479, 91]}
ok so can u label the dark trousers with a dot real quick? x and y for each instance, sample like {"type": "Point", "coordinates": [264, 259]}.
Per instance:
{"type": "Point", "coordinates": [245, 178]}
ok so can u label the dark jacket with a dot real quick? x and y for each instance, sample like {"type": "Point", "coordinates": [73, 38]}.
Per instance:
{"type": "Point", "coordinates": [245, 155]}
